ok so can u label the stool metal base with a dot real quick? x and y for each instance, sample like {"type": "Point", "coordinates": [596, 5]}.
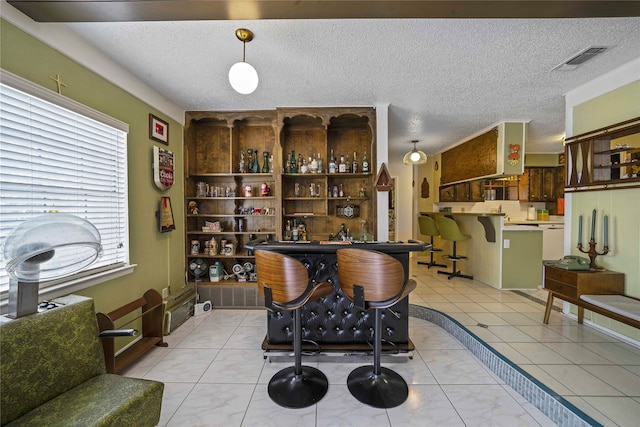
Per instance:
{"type": "Point", "coordinates": [385, 390]}
{"type": "Point", "coordinates": [457, 273]}
{"type": "Point", "coordinates": [298, 391]}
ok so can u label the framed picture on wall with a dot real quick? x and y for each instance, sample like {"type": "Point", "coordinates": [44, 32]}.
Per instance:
{"type": "Point", "coordinates": [158, 129]}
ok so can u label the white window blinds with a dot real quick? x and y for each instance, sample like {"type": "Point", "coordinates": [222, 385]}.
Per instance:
{"type": "Point", "coordinates": [53, 159]}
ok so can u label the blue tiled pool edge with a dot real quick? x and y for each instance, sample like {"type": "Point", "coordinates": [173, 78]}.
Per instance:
{"type": "Point", "coordinates": [554, 406]}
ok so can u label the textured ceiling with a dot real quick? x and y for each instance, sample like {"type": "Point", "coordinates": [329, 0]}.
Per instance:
{"type": "Point", "coordinates": [445, 79]}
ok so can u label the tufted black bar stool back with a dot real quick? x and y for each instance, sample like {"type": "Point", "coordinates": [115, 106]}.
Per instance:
{"type": "Point", "coordinates": [374, 281]}
{"type": "Point", "coordinates": [283, 282]}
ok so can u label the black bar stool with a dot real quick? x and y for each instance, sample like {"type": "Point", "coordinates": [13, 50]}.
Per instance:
{"type": "Point", "coordinates": [374, 280]}
{"type": "Point", "coordinates": [429, 228]}
{"type": "Point", "coordinates": [449, 230]}
{"type": "Point", "coordinates": [283, 281]}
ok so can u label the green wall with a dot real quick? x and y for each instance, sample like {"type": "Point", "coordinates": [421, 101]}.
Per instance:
{"type": "Point", "coordinates": [159, 256]}
{"type": "Point", "coordinates": [622, 206]}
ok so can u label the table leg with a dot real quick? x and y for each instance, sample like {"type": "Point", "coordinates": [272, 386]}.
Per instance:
{"type": "Point", "coordinates": [580, 314]}
{"type": "Point", "coordinates": [547, 311]}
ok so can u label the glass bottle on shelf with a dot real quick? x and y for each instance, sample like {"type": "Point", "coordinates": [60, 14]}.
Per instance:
{"type": "Point", "coordinates": [347, 164]}
{"type": "Point", "coordinates": [332, 163]}
{"type": "Point", "coordinates": [250, 160]}
{"type": "Point", "coordinates": [256, 164]}
{"type": "Point", "coordinates": [342, 166]}
{"type": "Point", "coordinates": [341, 191]}
{"type": "Point", "coordinates": [271, 164]}
{"type": "Point", "coordinates": [319, 164]}
{"type": "Point", "coordinates": [299, 162]}
{"type": "Point", "coordinates": [304, 168]}
{"type": "Point", "coordinates": [313, 164]}
{"type": "Point", "coordinates": [265, 162]}
{"type": "Point", "coordinates": [354, 164]}
{"type": "Point", "coordinates": [241, 164]}
{"type": "Point", "coordinates": [287, 231]}
{"type": "Point", "coordinates": [293, 168]}
{"type": "Point", "coordinates": [365, 163]}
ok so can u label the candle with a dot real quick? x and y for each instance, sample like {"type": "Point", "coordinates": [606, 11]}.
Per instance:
{"type": "Point", "coordinates": [580, 230]}
{"type": "Point", "coordinates": [593, 225]}
{"type": "Point", "coordinates": [606, 230]}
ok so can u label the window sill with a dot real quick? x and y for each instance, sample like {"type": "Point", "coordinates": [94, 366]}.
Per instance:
{"type": "Point", "coordinates": [76, 285]}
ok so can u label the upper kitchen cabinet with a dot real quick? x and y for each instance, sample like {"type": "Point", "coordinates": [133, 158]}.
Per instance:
{"type": "Point", "coordinates": [605, 158]}
{"type": "Point", "coordinates": [544, 184]}
{"type": "Point", "coordinates": [498, 152]}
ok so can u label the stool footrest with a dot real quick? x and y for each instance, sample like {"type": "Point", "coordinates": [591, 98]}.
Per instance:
{"type": "Point", "coordinates": [454, 257]}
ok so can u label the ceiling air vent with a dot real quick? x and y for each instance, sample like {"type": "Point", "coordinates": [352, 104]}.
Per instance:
{"type": "Point", "coordinates": [579, 58]}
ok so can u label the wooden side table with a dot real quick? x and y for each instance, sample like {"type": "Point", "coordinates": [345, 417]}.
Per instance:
{"type": "Point", "coordinates": [568, 285]}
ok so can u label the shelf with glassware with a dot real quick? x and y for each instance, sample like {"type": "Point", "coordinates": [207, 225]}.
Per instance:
{"type": "Point", "coordinates": [606, 158]}
{"type": "Point", "coordinates": [230, 189]}
{"type": "Point", "coordinates": [224, 216]}
{"type": "Point", "coordinates": [327, 181]}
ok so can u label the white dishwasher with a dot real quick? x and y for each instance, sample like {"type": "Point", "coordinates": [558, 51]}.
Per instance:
{"type": "Point", "coordinates": [552, 241]}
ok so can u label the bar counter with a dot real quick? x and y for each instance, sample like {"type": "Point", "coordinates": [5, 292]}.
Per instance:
{"type": "Point", "coordinates": [332, 322]}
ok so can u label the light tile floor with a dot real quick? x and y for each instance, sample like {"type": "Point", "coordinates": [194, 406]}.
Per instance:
{"type": "Point", "coordinates": [215, 374]}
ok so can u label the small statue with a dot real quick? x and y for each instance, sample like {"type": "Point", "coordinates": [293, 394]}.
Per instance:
{"type": "Point", "coordinates": [265, 190]}
{"type": "Point", "coordinates": [193, 208]}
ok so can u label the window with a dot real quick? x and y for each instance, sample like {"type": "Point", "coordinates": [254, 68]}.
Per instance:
{"type": "Point", "coordinates": [59, 156]}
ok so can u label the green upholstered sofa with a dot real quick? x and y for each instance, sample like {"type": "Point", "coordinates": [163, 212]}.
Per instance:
{"type": "Point", "coordinates": [52, 373]}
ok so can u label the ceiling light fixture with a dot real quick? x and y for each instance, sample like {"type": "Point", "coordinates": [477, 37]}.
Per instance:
{"type": "Point", "coordinates": [415, 156]}
{"type": "Point", "coordinates": [242, 76]}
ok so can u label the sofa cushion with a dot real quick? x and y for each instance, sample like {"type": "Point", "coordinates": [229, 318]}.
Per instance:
{"type": "Point", "coordinates": [45, 354]}
{"type": "Point", "coordinates": [105, 400]}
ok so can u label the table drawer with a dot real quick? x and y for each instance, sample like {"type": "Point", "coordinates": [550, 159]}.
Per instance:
{"type": "Point", "coordinates": [561, 288]}
{"type": "Point", "coordinates": [566, 276]}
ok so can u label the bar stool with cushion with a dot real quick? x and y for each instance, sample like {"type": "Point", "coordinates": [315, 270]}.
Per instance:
{"type": "Point", "coordinates": [429, 228]}
{"type": "Point", "coordinates": [374, 280]}
{"type": "Point", "coordinates": [449, 230]}
{"type": "Point", "coordinates": [283, 281]}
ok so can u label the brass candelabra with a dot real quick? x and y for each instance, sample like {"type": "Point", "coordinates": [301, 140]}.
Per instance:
{"type": "Point", "coordinates": [593, 253]}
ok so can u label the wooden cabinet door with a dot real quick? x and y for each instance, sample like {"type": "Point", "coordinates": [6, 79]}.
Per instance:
{"type": "Point", "coordinates": [476, 191]}
{"type": "Point", "coordinates": [447, 193]}
{"type": "Point", "coordinates": [548, 184]}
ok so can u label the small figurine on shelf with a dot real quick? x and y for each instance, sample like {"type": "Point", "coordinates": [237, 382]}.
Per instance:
{"type": "Point", "coordinates": [193, 207]}
{"type": "Point", "coordinates": [250, 160]}
{"type": "Point", "coordinates": [265, 190]}
{"type": "Point", "coordinates": [241, 168]}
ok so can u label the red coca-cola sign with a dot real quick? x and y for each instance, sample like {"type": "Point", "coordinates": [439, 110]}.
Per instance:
{"type": "Point", "coordinates": [163, 174]}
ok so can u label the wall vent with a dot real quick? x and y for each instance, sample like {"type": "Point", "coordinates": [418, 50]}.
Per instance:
{"type": "Point", "coordinates": [579, 58]}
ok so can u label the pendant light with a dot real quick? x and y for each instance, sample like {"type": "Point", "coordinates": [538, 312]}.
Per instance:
{"type": "Point", "coordinates": [415, 156]}
{"type": "Point", "coordinates": [242, 76]}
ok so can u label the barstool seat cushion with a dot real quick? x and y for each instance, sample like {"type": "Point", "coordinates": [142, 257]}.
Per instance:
{"type": "Point", "coordinates": [449, 230]}
{"type": "Point", "coordinates": [428, 226]}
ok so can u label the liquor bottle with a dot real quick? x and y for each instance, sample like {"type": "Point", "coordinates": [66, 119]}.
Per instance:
{"type": "Point", "coordinates": [342, 167]}
{"type": "Point", "coordinates": [256, 163]}
{"type": "Point", "coordinates": [287, 165]}
{"type": "Point", "coordinates": [365, 163]}
{"type": "Point", "coordinates": [320, 170]}
{"type": "Point", "coordinates": [265, 162]}
{"type": "Point", "coordinates": [304, 167]}
{"type": "Point", "coordinates": [347, 163]}
{"type": "Point", "coordinates": [354, 164]}
{"type": "Point", "coordinates": [313, 164]}
{"type": "Point", "coordinates": [332, 163]}
{"type": "Point", "coordinates": [241, 168]}
{"type": "Point", "coordinates": [341, 191]}
{"type": "Point", "coordinates": [294, 166]}
{"type": "Point", "coordinates": [250, 160]}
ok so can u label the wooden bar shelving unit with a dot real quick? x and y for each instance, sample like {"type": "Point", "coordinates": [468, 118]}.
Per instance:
{"type": "Point", "coordinates": [151, 314]}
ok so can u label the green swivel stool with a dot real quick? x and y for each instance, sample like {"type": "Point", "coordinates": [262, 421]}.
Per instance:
{"type": "Point", "coordinates": [449, 230]}
{"type": "Point", "coordinates": [429, 228]}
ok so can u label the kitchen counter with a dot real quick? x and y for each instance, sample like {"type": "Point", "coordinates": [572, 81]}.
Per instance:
{"type": "Point", "coordinates": [533, 223]}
